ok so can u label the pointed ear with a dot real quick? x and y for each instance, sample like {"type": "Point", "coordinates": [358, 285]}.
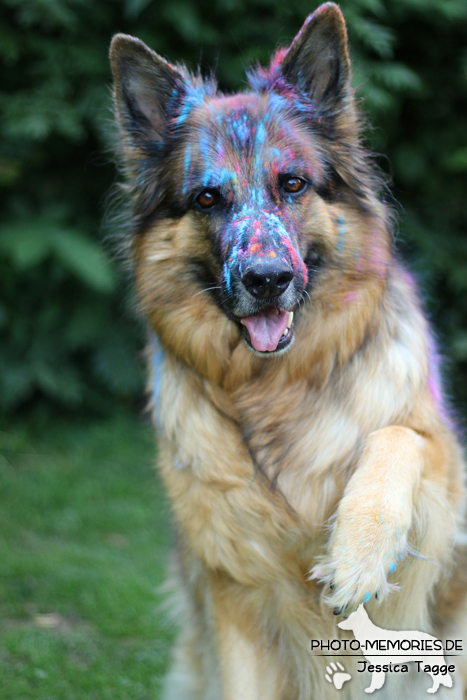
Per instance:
{"type": "Point", "coordinates": [147, 88]}
{"type": "Point", "coordinates": [317, 61]}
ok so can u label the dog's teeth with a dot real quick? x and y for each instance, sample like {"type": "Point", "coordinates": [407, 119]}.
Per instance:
{"type": "Point", "coordinates": [289, 323]}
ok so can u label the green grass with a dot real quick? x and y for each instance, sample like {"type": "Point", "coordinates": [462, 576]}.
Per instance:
{"type": "Point", "coordinates": [84, 539]}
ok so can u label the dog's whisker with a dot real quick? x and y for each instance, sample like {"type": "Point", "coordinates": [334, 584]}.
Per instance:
{"type": "Point", "coordinates": [208, 289]}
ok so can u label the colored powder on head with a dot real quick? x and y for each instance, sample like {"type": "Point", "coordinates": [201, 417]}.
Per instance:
{"type": "Point", "coordinates": [187, 168]}
{"type": "Point", "coordinates": [340, 242]}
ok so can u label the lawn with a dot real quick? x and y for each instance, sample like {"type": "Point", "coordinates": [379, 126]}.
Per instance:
{"type": "Point", "coordinates": [84, 540]}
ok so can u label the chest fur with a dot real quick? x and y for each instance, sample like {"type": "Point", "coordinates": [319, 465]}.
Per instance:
{"type": "Point", "coordinates": [253, 476]}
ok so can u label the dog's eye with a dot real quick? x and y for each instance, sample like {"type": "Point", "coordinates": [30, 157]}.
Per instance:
{"type": "Point", "coordinates": [293, 185]}
{"type": "Point", "coordinates": [207, 198]}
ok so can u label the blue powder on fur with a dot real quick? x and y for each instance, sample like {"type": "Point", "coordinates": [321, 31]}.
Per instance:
{"type": "Point", "coordinates": [157, 364]}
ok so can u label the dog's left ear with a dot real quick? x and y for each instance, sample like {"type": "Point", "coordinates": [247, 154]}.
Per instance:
{"type": "Point", "coordinates": [318, 62]}
{"type": "Point", "coordinates": [147, 90]}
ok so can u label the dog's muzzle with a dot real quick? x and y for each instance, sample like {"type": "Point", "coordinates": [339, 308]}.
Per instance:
{"type": "Point", "coordinates": [267, 279]}
{"type": "Point", "coordinates": [264, 278]}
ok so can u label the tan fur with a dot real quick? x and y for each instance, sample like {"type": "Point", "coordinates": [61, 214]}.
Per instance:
{"type": "Point", "coordinates": [296, 480]}
{"type": "Point", "coordinates": [344, 423]}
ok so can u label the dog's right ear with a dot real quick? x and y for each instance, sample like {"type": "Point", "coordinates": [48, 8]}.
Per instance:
{"type": "Point", "coordinates": [318, 60]}
{"type": "Point", "coordinates": [147, 89]}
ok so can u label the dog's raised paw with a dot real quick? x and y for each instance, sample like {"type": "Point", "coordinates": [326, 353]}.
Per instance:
{"type": "Point", "coordinates": [356, 584]}
{"type": "Point", "coordinates": [337, 675]}
{"type": "Point", "coordinates": [359, 562]}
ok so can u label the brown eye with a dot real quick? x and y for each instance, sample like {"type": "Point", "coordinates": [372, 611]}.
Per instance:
{"type": "Point", "coordinates": [293, 184]}
{"type": "Point", "coordinates": [207, 198]}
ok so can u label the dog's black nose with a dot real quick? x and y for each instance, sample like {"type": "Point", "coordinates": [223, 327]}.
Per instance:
{"type": "Point", "coordinates": [267, 279]}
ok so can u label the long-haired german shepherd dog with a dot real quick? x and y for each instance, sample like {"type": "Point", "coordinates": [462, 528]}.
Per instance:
{"type": "Point", "coordinates": [304, 440]}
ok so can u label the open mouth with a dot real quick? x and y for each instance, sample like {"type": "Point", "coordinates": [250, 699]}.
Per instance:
{"type": "Point", "coordinates": [270, 330]}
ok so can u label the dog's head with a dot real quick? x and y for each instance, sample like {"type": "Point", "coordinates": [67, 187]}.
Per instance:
{"type": "Point", "coordinates": [244, 201]}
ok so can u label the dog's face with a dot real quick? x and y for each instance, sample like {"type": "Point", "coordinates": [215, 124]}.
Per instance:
{"type": "Point", "coordinates": [248, 173]}
{"type": "Point", "coordinates": [246, 198]}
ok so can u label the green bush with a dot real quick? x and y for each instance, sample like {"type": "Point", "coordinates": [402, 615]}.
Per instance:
{"type": "Point", "coordinates": [67, 333]}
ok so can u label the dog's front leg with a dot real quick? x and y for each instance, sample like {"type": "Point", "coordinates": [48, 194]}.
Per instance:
{"type": "Point", "coordinates": [375, 515]}
{"type": "Point", "coordinates": [244, 668]}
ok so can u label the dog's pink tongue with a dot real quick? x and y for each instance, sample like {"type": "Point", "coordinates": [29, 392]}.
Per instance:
{"type": "Point", "coordinates": [266, 329]}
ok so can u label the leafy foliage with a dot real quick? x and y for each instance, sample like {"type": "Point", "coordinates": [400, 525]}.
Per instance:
{"type": "Point", "coordinates": [67, 336]}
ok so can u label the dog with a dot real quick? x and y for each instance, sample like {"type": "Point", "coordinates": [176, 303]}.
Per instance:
{"type": "Point", "coordinates": [304, 441]}
{"type": "Point", "coordinates": [366, 632]}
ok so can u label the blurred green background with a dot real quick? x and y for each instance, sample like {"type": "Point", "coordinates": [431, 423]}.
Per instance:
{"type": "Point", "coordinates": [84, 528]}
{"type": "Point", "coordinates": [68, 336]}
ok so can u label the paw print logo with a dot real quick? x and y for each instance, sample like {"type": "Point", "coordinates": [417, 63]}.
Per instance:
{"type": "Point", "coordinates": [337, 675]}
